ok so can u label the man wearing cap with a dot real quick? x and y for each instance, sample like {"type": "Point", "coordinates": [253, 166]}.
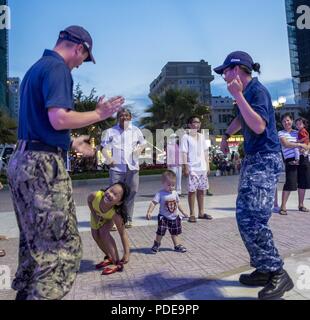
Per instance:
{"type": "Point", "coordinates": [50, 248]}
{"type": "Point", "coordinates": [259, 175]}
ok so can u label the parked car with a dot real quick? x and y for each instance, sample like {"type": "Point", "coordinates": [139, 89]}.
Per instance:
{"type": "Point", "coordinates": [6, 150]}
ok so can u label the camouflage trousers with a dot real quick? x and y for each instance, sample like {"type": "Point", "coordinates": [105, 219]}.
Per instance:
{"type": "Point", "coordinates": [50, 247]}
{"type": "Point", "coordinates": [259, 177]}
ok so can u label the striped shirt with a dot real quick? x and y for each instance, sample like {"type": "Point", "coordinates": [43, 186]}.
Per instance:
{"type": "Point", "coordinates": [292, 136]}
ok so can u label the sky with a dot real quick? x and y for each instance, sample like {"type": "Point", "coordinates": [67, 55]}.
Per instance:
{"type": "Point", "coordinates": [134, 39]}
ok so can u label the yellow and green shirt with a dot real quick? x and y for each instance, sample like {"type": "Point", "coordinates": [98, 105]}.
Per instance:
{"type": "Point", "coordinates": [103, 217]}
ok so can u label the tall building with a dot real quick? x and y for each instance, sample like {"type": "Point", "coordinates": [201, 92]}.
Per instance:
{"type": "Point", "coordinates": [299, 44]}
{"type": "Point", "coordinates": [3, 65]}
{"type": "Point", "coordinates": [222, 113]}
{"type": "Point", "coordinates": [196, 76]}
{"type": "Point", "coordinates": [14, 100]}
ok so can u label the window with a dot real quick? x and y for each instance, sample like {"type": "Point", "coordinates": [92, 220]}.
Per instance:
{"type": "Point", "coordinates": [190, 70]}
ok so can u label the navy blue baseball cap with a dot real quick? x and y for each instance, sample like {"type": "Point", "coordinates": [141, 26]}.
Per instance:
{"type": "Point", "coordinates": [234, 59]}
{"type": "Point", "coordinates": [79, 35]}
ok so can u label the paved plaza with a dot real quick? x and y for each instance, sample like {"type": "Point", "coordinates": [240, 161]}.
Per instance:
{"type": "Point", "coordinates": [208, 271]}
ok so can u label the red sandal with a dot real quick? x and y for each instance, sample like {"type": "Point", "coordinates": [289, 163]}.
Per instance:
{"type": "Point", "coordinates": [107, 261]}
{"type": "Point", "coordinates": [112, 269]}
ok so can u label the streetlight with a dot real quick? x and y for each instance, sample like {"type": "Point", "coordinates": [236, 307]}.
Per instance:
{"type": "Point", "coordinates": [279, 103]}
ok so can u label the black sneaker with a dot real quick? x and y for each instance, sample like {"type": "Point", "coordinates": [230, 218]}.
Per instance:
{"type": "Point", "coordinates": [255, 279]}
{"type": "Point", "coordinates": [155, 247]}
{"type": "Point", "coordinates": [180, 249]}
{"type": "Point", "coordinates": [278, 284]}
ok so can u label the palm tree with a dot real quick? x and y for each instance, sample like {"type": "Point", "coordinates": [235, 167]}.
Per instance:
{"type": "Point", "coordinates": [172, 110]}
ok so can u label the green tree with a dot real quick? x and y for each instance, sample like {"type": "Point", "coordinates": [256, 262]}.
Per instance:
{"type": "Point", "coordinates": [305, 113]}
{"type": "Point", "coordinates": [85, 103]}
{"type": "Point", "coordinates": [8, 128]}
{"type": "Point", "coordinates": [172, 110]}
{"type": "Point", "coordinates": [278, 121]}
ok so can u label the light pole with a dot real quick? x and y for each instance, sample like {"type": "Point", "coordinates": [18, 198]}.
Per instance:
{"type": "Point", "coordinates": [280, 103]}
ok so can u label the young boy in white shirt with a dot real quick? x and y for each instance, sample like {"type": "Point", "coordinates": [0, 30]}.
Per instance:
{"type": "Point", "coordinates": [196, 167]}
{"type": "Point", "coordinates": [168, 217]}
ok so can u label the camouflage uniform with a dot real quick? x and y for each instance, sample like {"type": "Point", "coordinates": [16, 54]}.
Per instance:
{"type": "Point", "coordinates": [50, 246]}
{"type": "Point", "coordinates": [259, 177]}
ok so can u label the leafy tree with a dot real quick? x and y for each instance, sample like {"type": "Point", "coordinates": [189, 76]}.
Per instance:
{"type": "Point", "coordinates": [305, 113]}
{"type": "Point", "coordinates": [8, 128]}
{"type": "Point", "coordinates": [85, 103]}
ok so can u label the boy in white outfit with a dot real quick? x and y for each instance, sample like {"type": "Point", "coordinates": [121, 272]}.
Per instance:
{"type": "Point", "coordinates": [169, 213]}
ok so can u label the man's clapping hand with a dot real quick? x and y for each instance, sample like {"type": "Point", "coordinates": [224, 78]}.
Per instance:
{"type": "Point", "coordinates": [107, 108]}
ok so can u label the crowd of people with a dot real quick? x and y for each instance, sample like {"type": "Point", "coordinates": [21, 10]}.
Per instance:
{"type": "Point", "coordinates": [50, 249]}
{"type": "Point", "coordinates": [227, 166]}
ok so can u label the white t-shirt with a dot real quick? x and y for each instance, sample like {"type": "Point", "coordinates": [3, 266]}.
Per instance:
{"type": "Point", "coordinates": [122, 143]}
{"type": "Point", "coordinates": [169, 202]}
{"type": "Point", "coordinates": [290, 137]}
{"type": "Point", "coordinates": [195, 148]}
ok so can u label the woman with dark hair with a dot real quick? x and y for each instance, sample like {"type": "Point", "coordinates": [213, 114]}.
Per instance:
{"type": "Point", "coordinates": [107, 208]}
{"type": "Point", "coordinates": [260, 171]}
{"type": "Point", "coordinates": [297, 176]}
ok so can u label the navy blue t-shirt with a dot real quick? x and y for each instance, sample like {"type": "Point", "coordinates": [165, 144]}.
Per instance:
{"type": "Point", "coordinates": [259, 99]}
{"type": "Point", "coordinates": [48, 84]}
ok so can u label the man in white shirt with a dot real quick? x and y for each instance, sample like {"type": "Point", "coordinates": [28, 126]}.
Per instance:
{"type": "Point", "coordinates": [196, 167]}
{"type": "Point", "coordinates": [126, 143]}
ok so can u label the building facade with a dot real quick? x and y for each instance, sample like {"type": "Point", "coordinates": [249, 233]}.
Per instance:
{"type": "Point", "coordinates": [297, 12]}
{"type": "Point", "coordinates": [3, 65]}
{"type": "Point", "coordinates": [293, 109]}
{"type": "Point", "coordinates": [14, 99]}
{"type": "Point", "coordinates": [222, 113]}
{"type": "Point", "coordinates": [196, 76]}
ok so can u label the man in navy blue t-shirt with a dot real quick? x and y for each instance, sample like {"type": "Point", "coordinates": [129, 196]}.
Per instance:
{"type": "Point", "coordinates": [50, 246]}
{"type": "Point", "coordinates": [259, 175]}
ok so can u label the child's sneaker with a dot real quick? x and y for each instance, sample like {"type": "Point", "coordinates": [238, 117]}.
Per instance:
{"type": "Point", "coordinates": [155, 247]}
{"type": "Point", "coordinates": [180, 249]}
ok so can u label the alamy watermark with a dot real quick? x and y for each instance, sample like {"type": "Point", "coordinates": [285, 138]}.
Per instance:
{"type": "Point", "coordinates": [303, 21]}
{"type": "Point", "coordinates": [5, 278]}
{"type": "Point", "coordinates": [303, 280]}
{"type": "Point", "coordinates": [5, 17]}
{"type": "Point", "coordinates": [159, 148]}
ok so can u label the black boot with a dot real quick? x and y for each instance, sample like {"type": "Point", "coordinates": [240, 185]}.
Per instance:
{"type": "Point", "coordinates": [21, 296]}
{"type": "Point", "coordinates": [280, 282]}
{"type": "Point", "coordinates": [255, 279]}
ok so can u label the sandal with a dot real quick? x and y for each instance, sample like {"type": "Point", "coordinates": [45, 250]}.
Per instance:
{"type": "Point", "coordinates": [206, 216]}
{"type": "Point", "coordinates": [2, 253]}
{"type": "Point", "coordinates": [180, 248]}
{"type": "Point", "coordinates": [283, 212]}
{"type": "Point", "coordinates": [128, 225]}
{"type": "Point", "coordinates": [303, 209]}
{"type": "Point", "coordinates": [112, 269]}
{"type": "Point", "coordinates": [114, 228]}
{"type": "Point", "coordinates": [107, 261]}
{"type": "Point", "coordinates": [192, 219]}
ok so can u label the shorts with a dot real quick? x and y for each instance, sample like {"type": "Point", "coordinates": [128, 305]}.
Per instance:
{"type": "Point", "coordinates": [174, 226]}
{"type": "Point", "coordinates": [198, 182]}
{"type": "Point", "coordinates": [297, 177]}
